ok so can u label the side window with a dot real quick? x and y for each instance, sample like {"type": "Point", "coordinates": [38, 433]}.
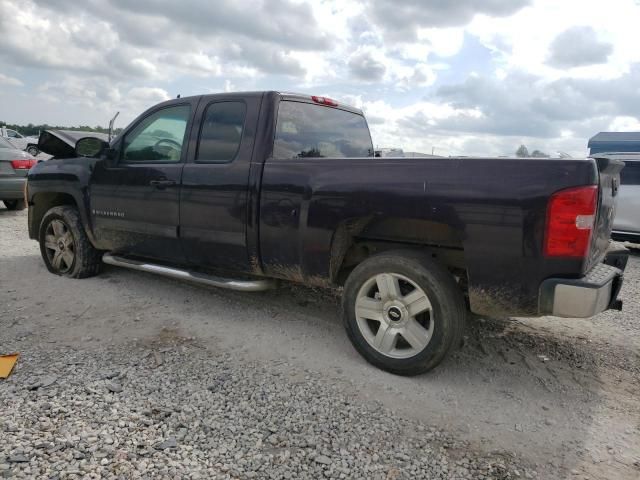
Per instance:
{"type": "Point", "coordinates": [630, 174]}
{"type": "Point", "coordinates": [308, 130]}
{"type": "Point", "coordinates": [221, 132]}
{"type": "Point", "coordinates": [158, 138]}
{"type": "Point", "coordinates": [13, 134]}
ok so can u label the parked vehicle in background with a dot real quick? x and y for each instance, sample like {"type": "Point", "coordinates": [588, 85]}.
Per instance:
{"type": "Point", "coordinates": [624, 146]}
{"type": "Point", "coordinates": [29, 144]}
{"type": "Point", "coordinates": [626, 225]}
{"type": "Point", "coordinates": [14, 165]}
{"type": "Point", "coordinates": [237, 190]}
{"type": "Point", "coordinates": [607, 142]}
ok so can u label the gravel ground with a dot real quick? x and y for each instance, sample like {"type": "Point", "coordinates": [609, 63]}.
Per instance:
{"type": "Point", "coordinates": [172, 409]}
{"type": "Point", "coordinates": [128, 375]}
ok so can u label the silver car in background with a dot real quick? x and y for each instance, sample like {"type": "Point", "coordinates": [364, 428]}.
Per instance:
{"type": "Point", "coordinates": [626, 225]}
{"type": "Point", "coordinates": [14, 166]}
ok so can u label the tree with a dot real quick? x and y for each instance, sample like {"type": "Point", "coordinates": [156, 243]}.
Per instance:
{"type": "Point", "coordinates": [522, 151]}
{"type": "Point", "coordinates": [32, 129]}
{"type": "Point", "coordinates": [539, 154]}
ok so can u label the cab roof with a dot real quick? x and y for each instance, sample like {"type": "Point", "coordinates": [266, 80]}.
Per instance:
{"type": "Point", "coordinates": [290, 96]}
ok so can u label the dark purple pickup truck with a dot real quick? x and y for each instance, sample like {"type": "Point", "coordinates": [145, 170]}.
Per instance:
{"type": "Point", "coordinates": [240, 190]}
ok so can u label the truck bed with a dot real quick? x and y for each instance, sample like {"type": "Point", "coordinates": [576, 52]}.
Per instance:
{"type": "Point", "coordinates": [489, 210]}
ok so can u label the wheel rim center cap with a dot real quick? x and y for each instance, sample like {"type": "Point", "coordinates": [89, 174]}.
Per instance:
{"type": "Point", "coordinates": [394, 313]}
{"type": "Point", "coordinates": [61, 245]}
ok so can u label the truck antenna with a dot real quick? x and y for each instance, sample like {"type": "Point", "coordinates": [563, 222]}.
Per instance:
{"type": "Point", "coordinates": [113, 120]}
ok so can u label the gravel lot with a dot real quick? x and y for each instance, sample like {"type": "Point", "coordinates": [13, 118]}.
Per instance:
{"type": "Point", "coordinates": [128, 375]}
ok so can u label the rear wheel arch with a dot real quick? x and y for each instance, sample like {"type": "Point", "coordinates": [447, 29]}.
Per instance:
{"type": "Point", "coordinates": [357, 239]}
{"type": "Point", "coordinates": [358, 250]}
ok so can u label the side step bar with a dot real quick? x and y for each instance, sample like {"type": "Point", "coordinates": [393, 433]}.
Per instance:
{"type": "Point", "coordinates": [201, 278]}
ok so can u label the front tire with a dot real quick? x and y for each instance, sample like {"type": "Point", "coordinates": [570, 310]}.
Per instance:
{"type": "Point", "coordinates": [403, 312]}
{"type": "Point", "coordinates": [14, 204]}
{"type": "Point", "coordinates": [64, 245]}
{"type": "Point", "coordinates": [33, 150]}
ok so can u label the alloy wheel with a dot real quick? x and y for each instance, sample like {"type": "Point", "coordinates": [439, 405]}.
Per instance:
{"type": "Point", "coordinates": [394, 315]}
{"type": "Point", "coordinates": [59, 246]}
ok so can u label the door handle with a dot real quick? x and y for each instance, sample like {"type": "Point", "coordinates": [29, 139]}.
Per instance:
{"type": "Point", "coordinates": [162, 183]}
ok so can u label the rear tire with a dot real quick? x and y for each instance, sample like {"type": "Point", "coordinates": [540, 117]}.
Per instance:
{"type": "Point", "coordinates": [64, 245]}
{"type": "Point", "coordinates": [403, 312]}
{"type": "Point", "coordinates": [14, 204]}
{"type": "Point", "coordinates": [33, 150]}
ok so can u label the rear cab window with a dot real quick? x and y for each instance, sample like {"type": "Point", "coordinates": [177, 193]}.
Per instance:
{"type": "Point", "coordinates": [307, 130]}
{"type": "Point", "coordinates": [221, 132]}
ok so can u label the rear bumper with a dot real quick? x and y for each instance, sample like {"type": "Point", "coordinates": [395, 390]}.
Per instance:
{"type": "Point", "coordinates": [587, 296]}
{"type": "Point", "coordinates": [11, 188]}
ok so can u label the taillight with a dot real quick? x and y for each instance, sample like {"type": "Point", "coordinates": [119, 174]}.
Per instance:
{"type": "Point", "coordinates": [325, 101]}
{"type": "Point", "coordinates": [23, 164]}
{"type": "Point", "coordinates": [571, 217]}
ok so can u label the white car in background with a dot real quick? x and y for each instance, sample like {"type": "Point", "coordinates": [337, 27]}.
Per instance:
{"type": "Point", "coordinates": [626, 224]}
{"type": "Point", "coordinates": [30, 144]}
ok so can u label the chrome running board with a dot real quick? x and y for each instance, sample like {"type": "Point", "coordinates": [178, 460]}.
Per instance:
{"type": "Point", "coordinates": [186, 275]}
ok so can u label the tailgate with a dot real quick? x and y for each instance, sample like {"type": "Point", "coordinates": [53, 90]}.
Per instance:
{"type": "Point", "coordinates": [609, 174]}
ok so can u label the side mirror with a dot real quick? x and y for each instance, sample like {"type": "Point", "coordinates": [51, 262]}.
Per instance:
{"type": "Point", "coordinates": [90, 147]}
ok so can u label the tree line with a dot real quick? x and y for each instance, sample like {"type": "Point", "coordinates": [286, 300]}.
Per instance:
{"type": "Point", "coordinates": [34, 130]}
{"type": "Point", "coordinates": [523, 152]}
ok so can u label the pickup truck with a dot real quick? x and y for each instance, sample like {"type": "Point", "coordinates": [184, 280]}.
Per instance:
{"type": "Point", "coordinates": [28, 144]}
{"type": "Point", "coordinates": [243, 190]}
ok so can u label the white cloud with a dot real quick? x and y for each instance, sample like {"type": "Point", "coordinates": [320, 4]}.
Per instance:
{"type": "Point", "coordinates": [578, 46]}
{"type": "Point", "coordinates": [523, 40]}
{"type": "Point", "coordinates": [368, 65]}
{"type": "Point", "coordinates": [556, 72]}
{"type": "Point", "coordinates": [10, 81]}
{"type": "Point", "coordinates": [624, 124]}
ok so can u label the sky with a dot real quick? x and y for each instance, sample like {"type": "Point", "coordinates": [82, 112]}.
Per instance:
{"type": "Point", "coordinates": [464, 77]}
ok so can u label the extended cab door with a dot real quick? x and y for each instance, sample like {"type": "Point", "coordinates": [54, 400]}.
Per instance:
{"type": "Point", "coordinates": [214, 195]}
{"type": "Point", "coordinates": [135, 200]}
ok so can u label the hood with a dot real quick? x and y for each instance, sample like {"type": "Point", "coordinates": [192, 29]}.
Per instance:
{"type": "Point", "coordinates": [62, 143]}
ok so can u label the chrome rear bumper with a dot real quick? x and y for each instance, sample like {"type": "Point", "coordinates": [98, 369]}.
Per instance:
{"type": "Point", "coordinates": [587, 296]}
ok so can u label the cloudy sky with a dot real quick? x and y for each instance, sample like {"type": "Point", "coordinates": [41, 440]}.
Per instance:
{"type": "Point", "coordinates": [463, 77]}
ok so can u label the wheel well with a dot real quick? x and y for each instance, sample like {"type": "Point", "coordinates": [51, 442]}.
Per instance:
{"type": "Point", "coordinates": [42, 203]}
{"type": "Point", "coordinates": [360, 250]}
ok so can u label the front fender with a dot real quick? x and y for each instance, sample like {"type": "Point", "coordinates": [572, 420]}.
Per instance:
{"type": "Point", "coordinates": [59, 182]}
